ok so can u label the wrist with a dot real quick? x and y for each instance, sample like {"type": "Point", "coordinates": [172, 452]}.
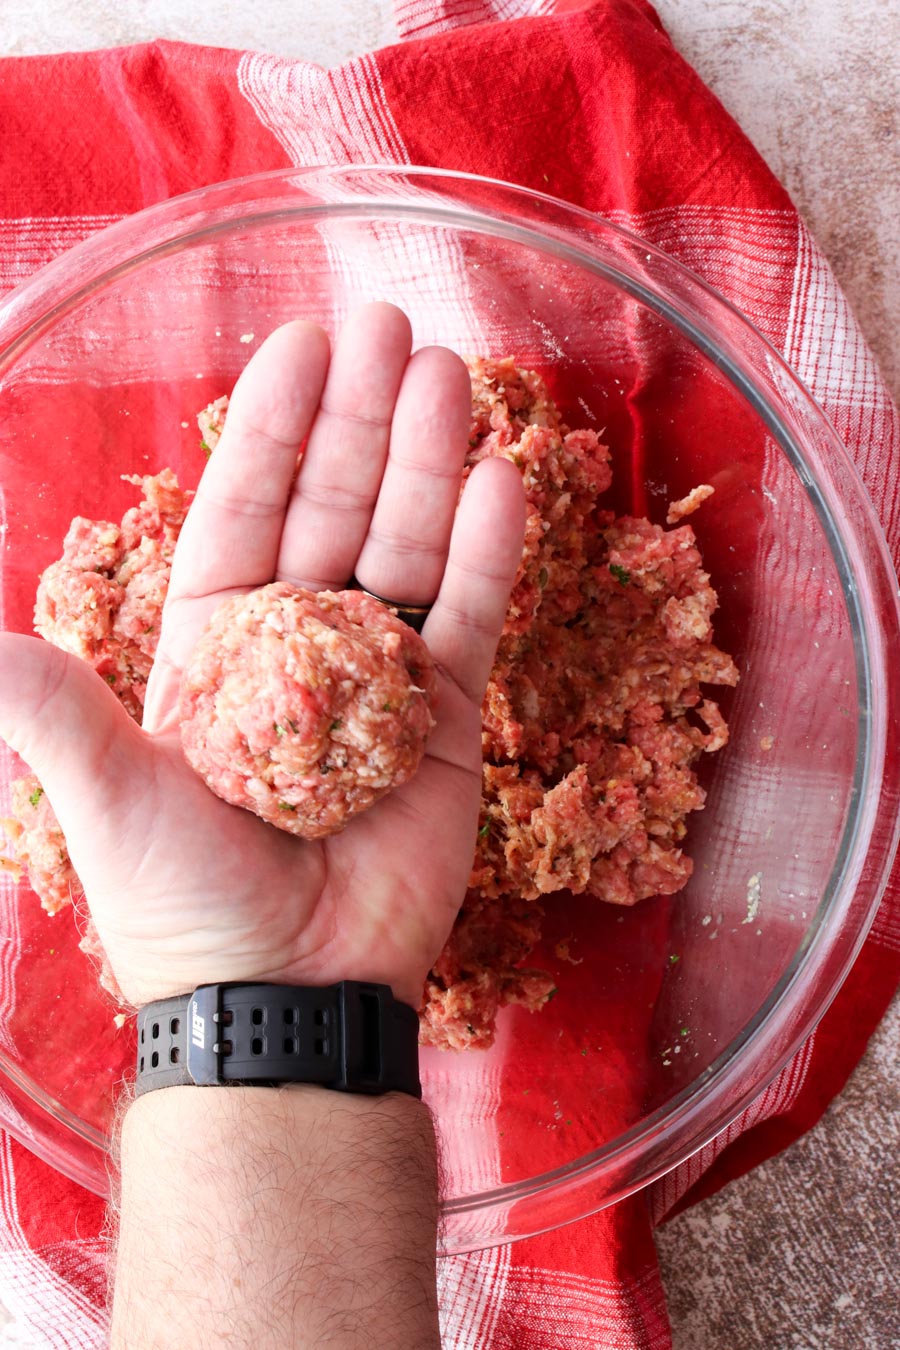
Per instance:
{"type": "Point", "coordinates": [271, 1216]}
{"type": "Point", "coordinates": [274, 1111]}
{"type": "Point", "coordinates": [136, 990]}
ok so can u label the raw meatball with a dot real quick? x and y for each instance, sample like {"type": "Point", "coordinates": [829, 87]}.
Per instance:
{"type": "Point", "coordinates": [306, 707]}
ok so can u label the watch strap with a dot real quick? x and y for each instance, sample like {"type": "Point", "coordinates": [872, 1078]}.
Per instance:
{"type": "Point", "coordinates": [351, 1037]}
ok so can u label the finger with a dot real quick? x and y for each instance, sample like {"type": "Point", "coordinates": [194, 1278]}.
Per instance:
{"type": "Point", "coordinates": [339, 477]}
{"type": "Point", "coordinates": [70, 729]}
{"type": "Point", "coordinates": [464, 626]}
{"type": "Point", "coordinates": [405, 551]}
{"type": "Point", "coordinates": [160, 713]}
{"type": "Point", "coordinates": [230, 539]}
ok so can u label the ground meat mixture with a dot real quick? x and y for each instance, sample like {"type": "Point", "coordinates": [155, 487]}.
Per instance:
{"type": "Point", "coordinates": [39, 845]}
{"type": "Point", "coordinates": [593, 722]}
{"type": "Point", "coordinates": [594, 717]}
{"type": "Point", "coordinates": [103, 599]}
{"type": "Point", "coordinates": [306, 708]}
{"type": "Point", "coordinates": [480, 971]}
{"type": "Point", "coordinates": [211, 422]}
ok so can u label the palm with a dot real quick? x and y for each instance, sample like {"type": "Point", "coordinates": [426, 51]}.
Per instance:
{"type": "Point", "coordinates": [185, 889]}
{"type": "Point", "coordinates": [210, 886]}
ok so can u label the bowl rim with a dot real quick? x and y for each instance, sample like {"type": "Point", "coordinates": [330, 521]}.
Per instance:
{"type": "Point", "coordinates": [555, 226]}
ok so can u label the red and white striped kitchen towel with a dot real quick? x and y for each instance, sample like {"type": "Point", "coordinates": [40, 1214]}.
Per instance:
{"type": "Point", "coordinates": [587, 100]}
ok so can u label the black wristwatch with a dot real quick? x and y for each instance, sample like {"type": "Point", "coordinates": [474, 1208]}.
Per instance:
{"type": "Point", "coordinates": [351, 1037]}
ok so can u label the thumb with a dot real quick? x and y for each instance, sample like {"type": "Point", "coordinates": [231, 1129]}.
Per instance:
{"type": "Point", "coordinates": [68, 726]}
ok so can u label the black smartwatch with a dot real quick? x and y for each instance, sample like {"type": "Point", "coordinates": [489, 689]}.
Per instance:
{"type": "Point", "coordinates": [351, 1037]}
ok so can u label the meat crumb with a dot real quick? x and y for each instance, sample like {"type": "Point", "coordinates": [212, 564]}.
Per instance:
{"type": "Point", "coordinates": [211, 422]}
{"type": "Point", "coordinates": [689, 504]}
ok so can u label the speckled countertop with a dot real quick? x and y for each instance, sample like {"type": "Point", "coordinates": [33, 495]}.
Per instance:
{"type": "Point", "coordinates": [804, 1253]}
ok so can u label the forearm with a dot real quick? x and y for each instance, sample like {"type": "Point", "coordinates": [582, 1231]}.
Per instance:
{"type": "Point", "coordinates": [264, 1217]}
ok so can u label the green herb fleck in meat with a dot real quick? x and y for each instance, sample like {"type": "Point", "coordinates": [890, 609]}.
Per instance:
{"type": "Point", "coordinates": [621, 575]}
{"type": "Point", "coordinates": [36, 796]}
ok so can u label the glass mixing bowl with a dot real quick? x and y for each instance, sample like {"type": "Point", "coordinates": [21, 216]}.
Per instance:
{"type": "Point", "coordinates": [670, 1016]}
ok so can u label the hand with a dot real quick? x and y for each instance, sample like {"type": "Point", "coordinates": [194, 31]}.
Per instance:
{"type": "Point", "coordinates": [186, 890]}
